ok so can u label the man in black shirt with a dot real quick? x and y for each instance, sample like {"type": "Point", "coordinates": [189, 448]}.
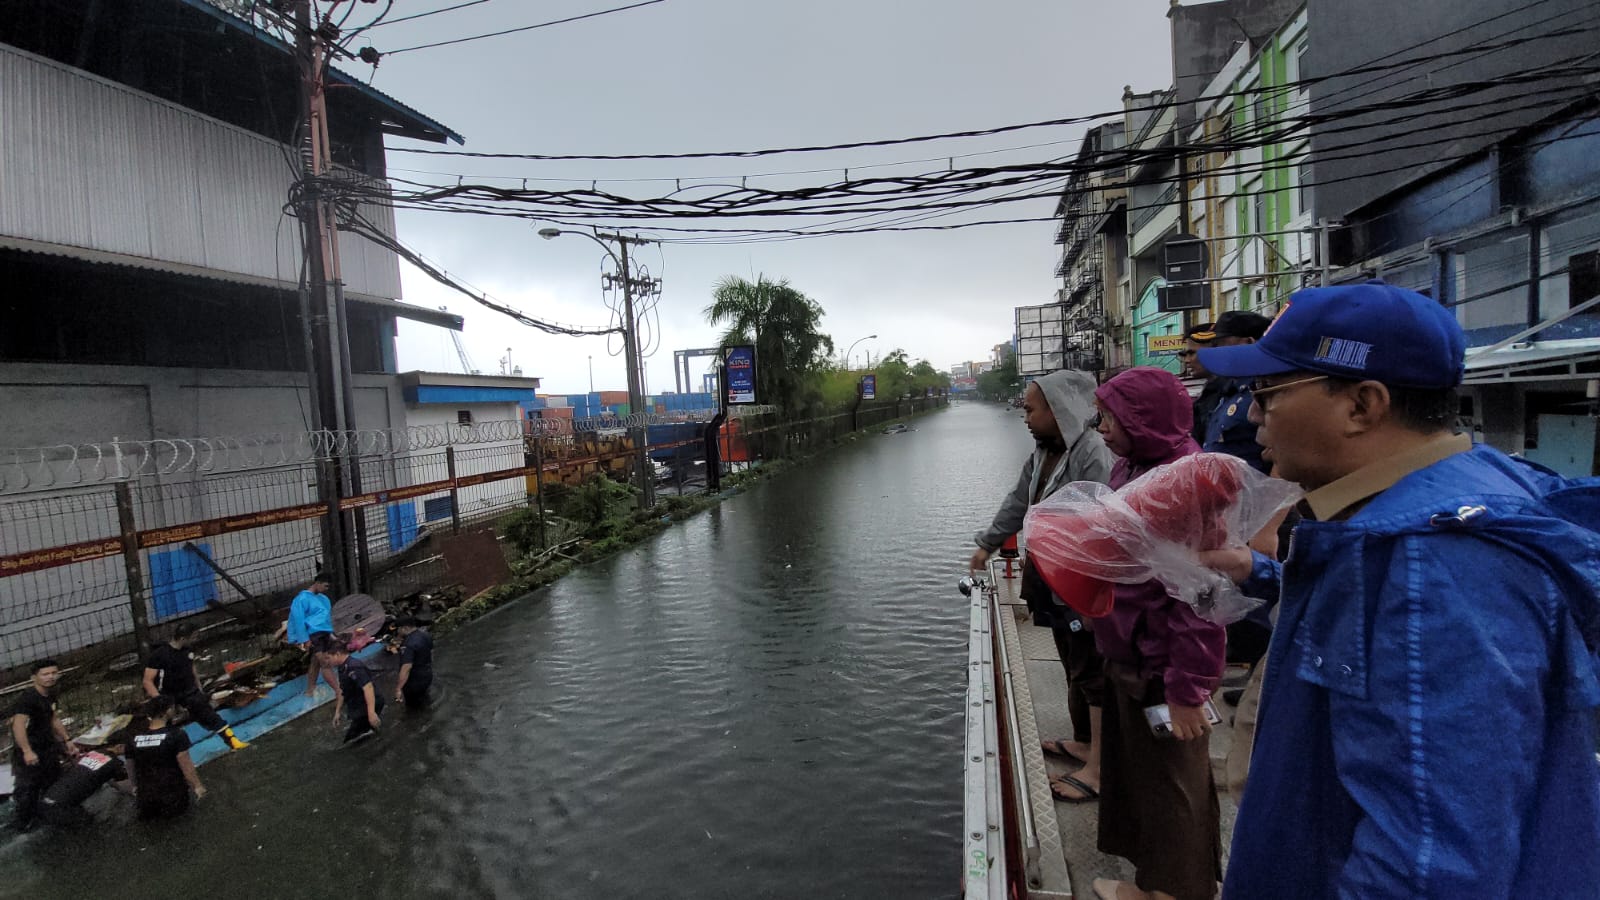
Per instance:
{"type": "Point", "coordinates": [170, 671]}
{"type": "Point", "coordinates": [41, 743]}
{"type": "Point", "coordinates": [416, 664]}
{"type": "Point", "coordinates": [163, 773]}
{"type": "Point", "coordinates": [94, 769]}
{"type": "Point", "coordinates": [358, 695]}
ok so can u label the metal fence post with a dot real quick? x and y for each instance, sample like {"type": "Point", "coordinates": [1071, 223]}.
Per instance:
{"type": "Point", "coordinates": [132, 566]}
{"type": "Point", "coordinates": [455, 501]}
{"type": "Point", "coordinates": [538, 488]}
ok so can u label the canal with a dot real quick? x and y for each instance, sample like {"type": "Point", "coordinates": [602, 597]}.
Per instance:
{"type": "Point", "coordinates": [764, 701]}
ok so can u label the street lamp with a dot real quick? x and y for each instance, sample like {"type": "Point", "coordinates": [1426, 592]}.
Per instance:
{"type": "Point", "coordinates": [870, 337]}
{"type": "Point", "coordinates": [630, 349]}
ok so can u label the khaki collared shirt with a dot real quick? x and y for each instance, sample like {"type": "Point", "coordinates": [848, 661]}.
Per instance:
{"type": "Point", "coordinates": [1343, 498]}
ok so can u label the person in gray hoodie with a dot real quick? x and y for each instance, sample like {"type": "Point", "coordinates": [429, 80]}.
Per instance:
{"type": "Point", "coordinates": [1059, 410]}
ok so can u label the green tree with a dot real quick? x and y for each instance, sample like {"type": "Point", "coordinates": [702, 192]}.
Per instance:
{"type": "Point", "coordinates": [1001, 382]}
{"type": "Point", "coordinates": [784, 325]}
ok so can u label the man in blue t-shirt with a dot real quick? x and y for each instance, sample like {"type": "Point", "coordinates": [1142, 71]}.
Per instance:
{"type": "Point", "coordinates": [310, 627]}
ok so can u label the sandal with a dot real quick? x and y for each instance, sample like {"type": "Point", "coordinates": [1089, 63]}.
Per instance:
{"type": "Point", "coordinates": [1088, 794]}
{"type": "Point", "coordinates": [1059, 748]}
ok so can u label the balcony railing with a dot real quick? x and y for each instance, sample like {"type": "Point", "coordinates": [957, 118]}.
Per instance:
{"type": "Point", "coordinates": [1167, 198]}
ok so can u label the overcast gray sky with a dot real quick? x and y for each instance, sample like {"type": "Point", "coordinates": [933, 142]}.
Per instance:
{"type": "Point", "coordinates": [697, 75]}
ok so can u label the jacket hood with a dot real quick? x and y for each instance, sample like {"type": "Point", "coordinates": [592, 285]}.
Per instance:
{"type": "Point", "coordinates": [1154, 410]}
{"type": "Point", "coordinates": [1069, 393]}
{"type": "Point", "coordinates": [1526, 507]}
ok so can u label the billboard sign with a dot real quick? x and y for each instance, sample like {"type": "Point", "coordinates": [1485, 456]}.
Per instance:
{"type": "Point", "coordinates": [869, 387]}
{"type": "Point", "coordinates": [739, 368]}
{"type": "Point", "coordinates": [1163, 344]}
{"type": "Point", "coordinates": [1041, 338]}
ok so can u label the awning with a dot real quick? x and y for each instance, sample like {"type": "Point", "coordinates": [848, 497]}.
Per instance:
{"type": "Point", "coordinates": [1545, 361]}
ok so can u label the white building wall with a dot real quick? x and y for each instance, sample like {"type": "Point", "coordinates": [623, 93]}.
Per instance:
{"type": "Point", "coordinates": [482, 499]}
{"type": "Point", "coordinates": [91, 164]}
{"type": "Point", "coordinates": [90, 406]}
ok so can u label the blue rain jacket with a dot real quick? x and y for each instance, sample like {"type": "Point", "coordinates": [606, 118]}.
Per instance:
{"type": "Point", "coordinates": [1427, 725]}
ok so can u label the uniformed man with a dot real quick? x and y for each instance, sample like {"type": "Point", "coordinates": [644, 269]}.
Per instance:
{"type": "Point", "coordinates": [1228, 428]}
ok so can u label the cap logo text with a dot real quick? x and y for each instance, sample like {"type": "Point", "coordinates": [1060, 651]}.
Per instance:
{"type": "Point", "coordinates": [1343, 353]}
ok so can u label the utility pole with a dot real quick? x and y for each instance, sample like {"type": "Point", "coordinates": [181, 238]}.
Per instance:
{"type": "Point", "coordinates": [331, 388]}
{"type": "Point", "coordinates": [630, 347]}
{"type": "Point", "coordinates": [630, 343]}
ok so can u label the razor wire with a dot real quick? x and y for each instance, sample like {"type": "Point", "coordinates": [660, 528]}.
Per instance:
{"type": "Point", "coordinates": [65, 466]}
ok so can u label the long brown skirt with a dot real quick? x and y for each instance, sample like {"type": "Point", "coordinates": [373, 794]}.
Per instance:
{"type": "Point", "coordinates": [1158, 801]}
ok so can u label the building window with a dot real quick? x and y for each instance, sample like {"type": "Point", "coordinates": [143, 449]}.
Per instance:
{"type": "Point", "coordinates": [464, 417]}
{"type": "Point", "coordinates": [1488, 286]}
{"type": "Point", "coordinates": [1569, 244]}
{"type": "Point", "coordinates": [1294, 65]}
{"type": "Point", "coordinates": [1583, 278]}
{"type": "Point", "coordinates": [437, 508]}
{"type": "Point", "coordinates": [1303, 179]}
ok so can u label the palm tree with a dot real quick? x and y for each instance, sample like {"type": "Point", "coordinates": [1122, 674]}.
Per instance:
{"type": "Point", "coordinates": [783, 325]}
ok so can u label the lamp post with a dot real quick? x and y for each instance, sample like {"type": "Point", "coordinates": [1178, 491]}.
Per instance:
{"type": "Point", "coordinates": [630, 349]}
{"type": "Point", "coordinates": [870, 337]}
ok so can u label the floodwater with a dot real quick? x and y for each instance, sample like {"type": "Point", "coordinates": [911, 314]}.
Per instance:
{"type": "Point", "coordinates": [764, 701]}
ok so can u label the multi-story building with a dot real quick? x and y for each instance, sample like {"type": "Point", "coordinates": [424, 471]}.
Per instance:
{"type": "Point", "coordinates": [150, 290]}
{"type": "Point", "coordinates": [1250, 197]}
{"type": "Point", "coordinates": [1161, 177]}
{"type": "Point", "coordinates": [1090, 235]}
{"type": "Point", "coordinates": [1487, 199]}
{"type": "Point", "coordinates": [151, 273]}
{"type": "Point", "coordinates": [1155, 206]}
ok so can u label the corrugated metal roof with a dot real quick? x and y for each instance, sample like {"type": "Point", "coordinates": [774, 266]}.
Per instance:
{"type": "Point", "coordinates": [91, 163]}
{"type": "Point", "coordinates": [416, 120]}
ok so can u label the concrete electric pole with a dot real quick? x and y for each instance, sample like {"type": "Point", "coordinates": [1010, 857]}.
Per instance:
{"type": "Point", "coordinates": [630, 285]}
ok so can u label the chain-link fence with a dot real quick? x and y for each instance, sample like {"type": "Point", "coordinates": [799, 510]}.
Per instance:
{"type": "Point", "coordinates": [103, 546]}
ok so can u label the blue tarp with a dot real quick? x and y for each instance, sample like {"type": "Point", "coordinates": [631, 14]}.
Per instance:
{"type": "Point", "coordinates": [180, 583]}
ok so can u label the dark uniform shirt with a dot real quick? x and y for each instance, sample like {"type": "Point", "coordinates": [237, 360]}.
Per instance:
{"type": "Point", "coordinates": [92, 771]}
{"type": "Point", "coordinates": [41, 711]}
{"type": "Point", "coordinates": [1229, 429]}
{"type": "Point", "coordinates": [175, 670]}
{"type": "Point", "coordinates": [353, 677]}
{"type": "Point", "coordinates": [417, 649]}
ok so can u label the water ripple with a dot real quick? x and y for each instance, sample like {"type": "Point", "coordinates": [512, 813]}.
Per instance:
{"type": "Point", "coordinates": [762, 702]}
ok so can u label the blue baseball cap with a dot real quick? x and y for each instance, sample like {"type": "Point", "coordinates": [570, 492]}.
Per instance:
{"type": "Point", "coordinates": [1364, 331]}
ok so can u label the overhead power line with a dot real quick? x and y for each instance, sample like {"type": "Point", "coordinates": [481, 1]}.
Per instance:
{"type": "Point", "coordinates": [360, 225]}
{"type": "Point", "coordinates": [1002, 129]}
{"type": "Point", "coordinates": [479, 37]}
{"type": "Point", "coordinates": [435, 12]}
{"type": "Point", "coordinates": [944, 188]}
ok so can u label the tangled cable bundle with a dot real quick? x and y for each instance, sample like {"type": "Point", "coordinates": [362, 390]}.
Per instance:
{"type": "Point", "coordinates": [1086, 537]}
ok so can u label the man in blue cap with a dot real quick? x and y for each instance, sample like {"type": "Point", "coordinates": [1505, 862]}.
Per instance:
{"type": "Point", "coordinates": [1427, 718]}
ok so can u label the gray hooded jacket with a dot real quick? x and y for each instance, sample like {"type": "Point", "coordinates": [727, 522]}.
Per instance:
{"type": "Point", "coordinates": [1070, 394]}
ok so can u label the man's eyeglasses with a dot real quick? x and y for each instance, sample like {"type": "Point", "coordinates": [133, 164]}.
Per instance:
{"type": "Point", "coordinates": [1259, 388]}
{"type": "Point", "coordinates": [1186, 353]}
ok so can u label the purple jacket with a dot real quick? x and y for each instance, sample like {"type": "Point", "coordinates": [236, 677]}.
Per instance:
{"type": "Point", "coordinates": [1148, 629]}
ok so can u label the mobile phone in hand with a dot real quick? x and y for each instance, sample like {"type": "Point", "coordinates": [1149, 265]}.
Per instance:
{"type": "Point", "coordinates": [1160, 718]}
